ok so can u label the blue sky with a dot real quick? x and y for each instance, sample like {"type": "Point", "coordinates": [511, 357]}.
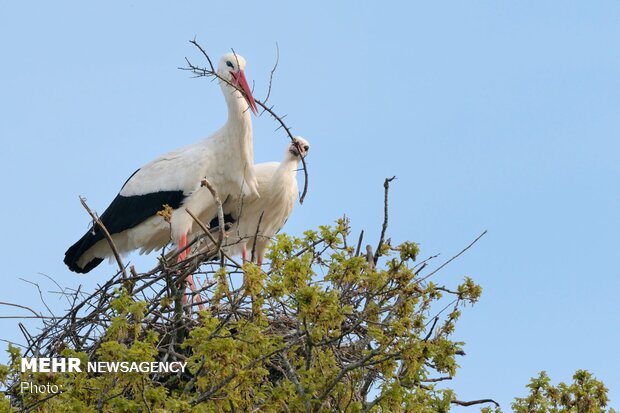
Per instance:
{"type": "Point", "coordinates": [493, 115]}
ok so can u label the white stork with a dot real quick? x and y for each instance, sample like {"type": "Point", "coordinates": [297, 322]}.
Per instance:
{"type": "Point", "coordinates": [225, 159]}
{"type": "Point", "coordinates": [263, 217]}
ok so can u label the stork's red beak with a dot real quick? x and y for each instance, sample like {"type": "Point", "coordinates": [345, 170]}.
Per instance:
{"type": "Point", "coordinates": [243, 84]}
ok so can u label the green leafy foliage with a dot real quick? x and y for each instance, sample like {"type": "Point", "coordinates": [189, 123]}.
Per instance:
{"type": "Point", "coordinates": [585, 394]}
{"type": "Point", "coordinates": [320, 329]}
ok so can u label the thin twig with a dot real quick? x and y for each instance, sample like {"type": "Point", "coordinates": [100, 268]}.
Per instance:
{"type": "Point", "coordinates": [220, 212]}
{"type": "Point", "coordinates": [108, 237]}
{"type": "Point", "coordinates": [208, 234]}
{"type": "Point", "coordinates": [430, 330]}
{"type": "Point", "coordinates": [260, 219]}
{"type": "Point", "coordinates": [275, 66]}
{"type": "Point", "coordinates": [21, 306]}
{"type": "Point", "coordinates": [195, 43]}
{"type": "Point", "coordinates": [40, 295]}
{"type": "Point", "coordinates": [13, 343]}
{"type": "Point", "coordinates": [359, 244]}
{"type": "Point", "coordinates": [454, 257]}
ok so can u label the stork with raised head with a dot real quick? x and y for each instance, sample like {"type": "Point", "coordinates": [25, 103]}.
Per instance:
{"type": "Point", "coordinates": [261, 218]}
{"type": "Point", "coordinates": [225, 159]}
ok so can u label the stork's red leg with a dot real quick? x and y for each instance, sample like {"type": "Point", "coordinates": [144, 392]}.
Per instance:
{"type": "Point", "coordinates": [181, 257]}
{"type": "Point", "coordinates": [182, 245]}
{"type": "Point", "coordinates": [244, 255]}
{"type": "Point", "coordinates": [190, 278]}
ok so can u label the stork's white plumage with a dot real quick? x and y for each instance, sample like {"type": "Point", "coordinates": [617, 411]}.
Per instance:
{"type": "Point", "coordinates": [277, 186]}
{"type": "Point", "coordinates": [225, 159]}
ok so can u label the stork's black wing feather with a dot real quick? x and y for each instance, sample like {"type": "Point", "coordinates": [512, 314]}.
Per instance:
{"type": "Point", "coordinates": [228, 221]}
{"type": "Point", "coordinates": [124, 212]}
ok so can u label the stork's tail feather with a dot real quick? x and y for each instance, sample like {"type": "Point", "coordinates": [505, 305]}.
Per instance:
{"type": "Point", "coordinates": [75, 252]}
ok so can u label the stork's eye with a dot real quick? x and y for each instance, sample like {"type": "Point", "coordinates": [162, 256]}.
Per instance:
{"type": "Point", "coordinates": [306, 147]}
{"type": "Point", "coordinates": [229, 64]}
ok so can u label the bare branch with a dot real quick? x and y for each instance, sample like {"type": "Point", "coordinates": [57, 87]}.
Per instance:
{"type": "Point", "coordinates": [220, 212]}
{"type": "Point", "coordinates": [359, 243]}
{"type": "Point", "coordinates": [474, 402]}
{"type": "Point", "coordinates": [471, 244]}
{"type": "Point", "coordinates": [208, 234]}
{"type": "Point", "coordinates": [195, 43]}
{"type": "Point", "coordinates": [107, 236]}
{"type": "Point", "coordinates": [275, 66]}
{"type": "Point", "coordinates": [260, 219]}
{"type": "Point", "coordinates": [22, 306]}
{"type": "Point", "coordinates": [386, 186]}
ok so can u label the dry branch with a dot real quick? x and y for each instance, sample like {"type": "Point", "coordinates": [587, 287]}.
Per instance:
{"type": "Point", "coordinates": [107, 236]}
{"type": "Point", "coordinates": [386, 189]}
{"type": "Point", "coordinates": [220, 213]}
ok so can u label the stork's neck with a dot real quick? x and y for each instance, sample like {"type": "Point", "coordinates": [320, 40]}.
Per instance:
{"type": "Point", "coordinates": [239, 128]}
{"type": "Point", "coordinates": [239, 115]}
{"type": "Point", "coordinates": [284, 180]}
{"type": "Point", "coordinates": [288, 167]}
